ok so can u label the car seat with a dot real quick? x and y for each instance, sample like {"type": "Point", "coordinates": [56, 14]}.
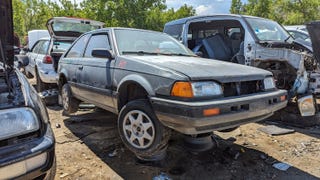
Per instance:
{"type": "Point", "coordinates": [217, 48]}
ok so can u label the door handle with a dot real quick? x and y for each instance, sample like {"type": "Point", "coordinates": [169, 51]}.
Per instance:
{"type": "Point", "coordinates": [80, 67]}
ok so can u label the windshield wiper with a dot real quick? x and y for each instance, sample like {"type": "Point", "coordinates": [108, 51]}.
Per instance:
{"type": "Point", "coordinates": [180, 54]}
{"type": "Point", "coordinates": [288, 38]}
{"type": "Point", "coordinates": [139, 52]}
{"type": "Point", "coordinates": [156, 53]}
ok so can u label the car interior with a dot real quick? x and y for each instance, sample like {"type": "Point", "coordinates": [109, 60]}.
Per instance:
{"type": "Point", "coordinates": [222, 40]}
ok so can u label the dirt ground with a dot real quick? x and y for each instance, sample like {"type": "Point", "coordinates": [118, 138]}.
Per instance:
{"type": "Point", "coordinates": [88, 147]}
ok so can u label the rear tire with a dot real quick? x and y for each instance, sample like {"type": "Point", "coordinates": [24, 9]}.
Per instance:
{"type": "Point", "coordinates": [69, 103]}
{"type": "Point", "coordinates": [142, 132]}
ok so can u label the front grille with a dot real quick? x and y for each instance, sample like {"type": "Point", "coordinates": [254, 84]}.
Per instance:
{"type": "Point", "coordinates": [241, 88]}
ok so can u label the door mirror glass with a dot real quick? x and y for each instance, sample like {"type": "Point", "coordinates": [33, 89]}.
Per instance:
{"type": "Point", "coordinates": [102, 53]}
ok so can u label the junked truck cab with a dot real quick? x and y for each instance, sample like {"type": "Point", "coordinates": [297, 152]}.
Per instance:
{"type": "Point", "coordinates": [262, 43]}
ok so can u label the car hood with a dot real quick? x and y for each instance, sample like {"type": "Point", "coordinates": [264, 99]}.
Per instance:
{"type": "Point", "coordinates": [314, 32]}
{"type": "Point", "coordinates": [197, 68]}
{"type": "Point", "coordinates": [6, 33]}
{"type": "Point", "coordinates": [71, 28]}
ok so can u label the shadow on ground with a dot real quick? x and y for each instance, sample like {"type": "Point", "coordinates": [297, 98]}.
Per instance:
{"type": "Point", "coordinates": [98, 130]}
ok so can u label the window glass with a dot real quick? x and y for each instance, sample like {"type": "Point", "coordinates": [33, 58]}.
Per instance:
{"type": "Point", "coordinates": [174, 30]}
{"type": "Point", "coordinates": [148, 42]}
{"type": "Point", "coordinates": [37, 47]}
{"type": "Point", "coordinates": [78, 48]}
{"type": "Point", "coordinates": [44, 47]}
{"type": "Point", "coordinates": [100, 41]}
{"type": "Point", "coordinates": [267, 30]}
{"type": "Point", "coordinates": [61, 46]}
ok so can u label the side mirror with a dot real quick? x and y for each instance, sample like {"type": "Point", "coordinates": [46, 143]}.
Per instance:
{"type": "Point", "coordinates": [102, 53]}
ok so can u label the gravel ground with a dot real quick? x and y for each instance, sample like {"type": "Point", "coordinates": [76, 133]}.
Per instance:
{"type": "Point", "coordinates": [88, 147]}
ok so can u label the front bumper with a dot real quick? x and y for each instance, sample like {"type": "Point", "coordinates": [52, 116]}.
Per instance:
{"type": "Point", "coordinates": [187, 117]}
{"type": "Point", "coordinates": [48, 75]}
{"type": "Point", "coordinates": [29, 160]}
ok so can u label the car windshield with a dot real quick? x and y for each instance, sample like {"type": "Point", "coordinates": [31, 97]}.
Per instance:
{"type": "Point", "coordinates": [61, 46]}
{"type": "Point", "coordinates": [149, 43]}
{"type": "Point", "coordinates": [267, 30]}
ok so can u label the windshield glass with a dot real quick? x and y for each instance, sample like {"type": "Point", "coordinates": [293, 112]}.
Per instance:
{"type": "Point", "coordinates": [60, 46]}
{"type": "Point", "coordinates": [153, 43]}
{"type": "Point", "coordinates": [267, 30]}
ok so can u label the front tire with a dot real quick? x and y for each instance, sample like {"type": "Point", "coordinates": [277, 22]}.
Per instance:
{"type": "Point", "coordinates": [142, 132]}
{"type": "Point", "coordinates": [69, 103]}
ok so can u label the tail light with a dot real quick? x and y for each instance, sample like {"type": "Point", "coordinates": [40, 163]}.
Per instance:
{"type": "Point", "coordinates": [47, 59]}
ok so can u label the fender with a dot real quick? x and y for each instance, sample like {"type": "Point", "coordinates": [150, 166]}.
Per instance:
{"type": "Point", "coordinates": [139, 80]}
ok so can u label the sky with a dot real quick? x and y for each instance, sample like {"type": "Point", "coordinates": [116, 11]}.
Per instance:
{"type": "Point", "coordinates": [202, 7]}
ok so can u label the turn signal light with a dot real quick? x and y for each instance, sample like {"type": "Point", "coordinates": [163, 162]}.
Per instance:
{"type": "Point", "coordinates": [211, 112]}
{"type": "Point", "coordinates": [283, 98]}
{"type": "Point", "coordinates": [182, 89]}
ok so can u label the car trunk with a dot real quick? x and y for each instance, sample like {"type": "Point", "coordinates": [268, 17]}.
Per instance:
{"type": "Point", "coordinates": [64, 31]}
{"type": "Point", "coordinates": [314, 32]}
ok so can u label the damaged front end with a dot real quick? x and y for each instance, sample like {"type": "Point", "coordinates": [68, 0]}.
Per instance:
{"type": "Point", "coordinates": [295, 69]}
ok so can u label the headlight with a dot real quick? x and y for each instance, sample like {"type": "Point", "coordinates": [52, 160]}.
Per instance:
{"type": "Point", "coordinates": [306, 106]}
{"type": "Point", "coordinates": [269, 83]}
{"type": "Point", "coordinates": [18, 121]}
{"type": "Point", "coordinates": [196, 89]}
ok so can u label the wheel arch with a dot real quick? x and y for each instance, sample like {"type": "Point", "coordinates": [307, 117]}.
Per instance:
{"type": "Point", "coordinates": [131, 88]}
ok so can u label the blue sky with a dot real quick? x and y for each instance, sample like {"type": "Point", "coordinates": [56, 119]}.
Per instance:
{"type": "Point", "coordinates": [202, 7]}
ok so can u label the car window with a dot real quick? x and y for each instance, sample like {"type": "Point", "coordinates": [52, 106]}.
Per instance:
{"type": "Point", "coordinates": [174, 30]}
{"type": "Point", "coordinates": [100, 41]}
{"type": "Point", "coordinates": [296, 35]}
{"type": "Point", "coordinates": [44, 47]}
{"type": "Point", "coordinates": [36, 47]}
{"type": "Point", "coordinates": [78, 48]}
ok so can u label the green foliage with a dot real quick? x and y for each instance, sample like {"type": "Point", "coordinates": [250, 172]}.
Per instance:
{"type": "Point", "coordinates": [145, 14]}
{"type": "Point", "coordinates": [236, 7]}
{"type": "Point", "coordinates": [287, 12]}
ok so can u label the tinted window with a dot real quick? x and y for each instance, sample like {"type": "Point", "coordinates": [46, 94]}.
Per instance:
{"type": "Point", "coordinates": [36, 47]}
{"type": "Point", "coordinates": [100, 41]}
{"type": "Point", "coordinates": [174, 30]}
{"type": "Point", "coordinates": [44, 47]}
{"type": "Point", "coordinates": [78, 48]}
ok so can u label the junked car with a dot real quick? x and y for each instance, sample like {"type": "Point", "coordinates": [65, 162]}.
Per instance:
{"type": "Point", "coordinates": [298, 31]}
{"type": "Point", "coordinates": [155, 84]}
{"type": "Point", "coordinates": [44, 55]}
{"type": "Point", "coordinates": [27, 144]}
{"type": "Point", "coordinates": [261, 43]}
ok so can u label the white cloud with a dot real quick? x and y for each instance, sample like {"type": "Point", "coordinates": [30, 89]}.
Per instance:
{"type": "Point", "coordinates": [204, 9]}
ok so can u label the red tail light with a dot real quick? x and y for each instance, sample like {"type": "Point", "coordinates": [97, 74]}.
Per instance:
{"type": "Point", "coordinates": [47, 59]}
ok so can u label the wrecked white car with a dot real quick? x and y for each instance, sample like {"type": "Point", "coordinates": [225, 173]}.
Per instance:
{"type": "Point", "coordinates": [261, 43]}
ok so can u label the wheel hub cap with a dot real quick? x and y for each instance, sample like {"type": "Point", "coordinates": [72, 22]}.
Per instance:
{"type": "Point", "coordinates": [138, 129]}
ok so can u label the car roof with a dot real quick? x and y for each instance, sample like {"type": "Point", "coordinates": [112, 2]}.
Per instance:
{"type": "Point", "coordinates": [122, 28]}
{"type": "Point", "coordinates": [184, 20]}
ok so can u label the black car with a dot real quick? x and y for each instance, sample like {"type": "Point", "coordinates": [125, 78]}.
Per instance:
{"type": "Point", "coordinates": [156, 84]}
{"type": "Point", "coordinates": [26, 138]}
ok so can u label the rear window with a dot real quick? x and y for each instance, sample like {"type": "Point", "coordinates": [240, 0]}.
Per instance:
{"type": "Point", "coordinates": [174, 30]}
{"type": "Point", "coordinates": [59, 46]}
{"type": "Point", "coordinates": [73, 27]}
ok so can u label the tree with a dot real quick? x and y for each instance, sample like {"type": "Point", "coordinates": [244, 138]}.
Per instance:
{"type": "Point", "coordinates": [283, 11]}
{"type": "Point", "coordinates": [236, 7]}
{"type": "Point", "coordinates": [145, 14]}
